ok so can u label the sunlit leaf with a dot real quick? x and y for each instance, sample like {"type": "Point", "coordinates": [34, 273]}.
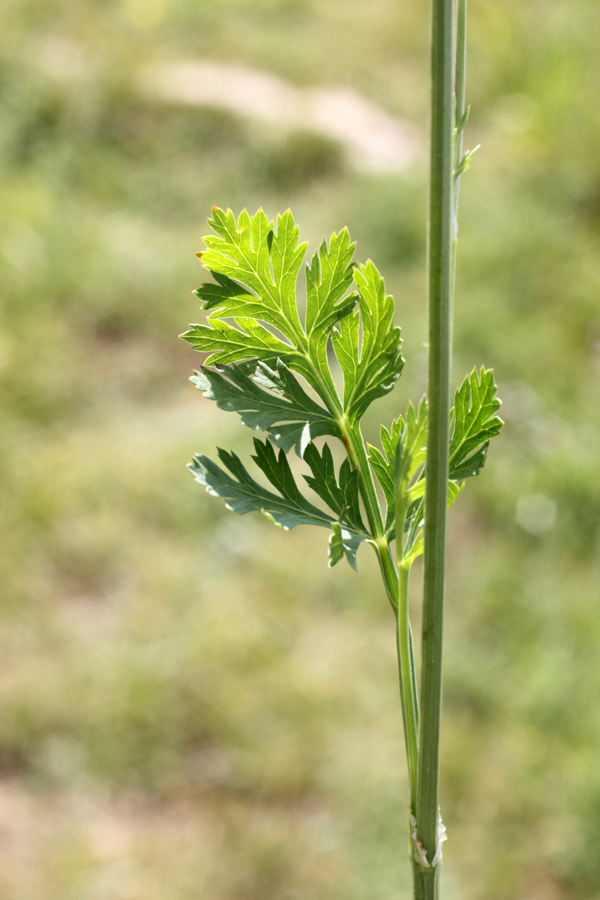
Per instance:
{"type": "Point", "coordinates": [367, 344]}
{"type": "Point", "coordinates": [255, 264]}
{"type": "Point", "coordinates": [475, 423]}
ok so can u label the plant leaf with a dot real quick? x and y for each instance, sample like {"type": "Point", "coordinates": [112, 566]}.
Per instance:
{"type": "Point", "coordinates": [404, 453]}
{"type": "Point", "coordinates": [409, 479]}
{"type": "Point", "coordinates": [328, 277]}
{"type": "Point", "coordinates": [342, 498]}
{"type": "Point", "coordinates": [371, 361]}
{"type": "Point", "coordinates": [475, 423]}
{"type": "Point", "coordinates": [287, 508]}
{"type": "Point", "coordinates": [270, 399]}
{"type": "Point", "coordinates": [343, 543]}
{"type": "Point", "coordinates": [243, 494]}
{"type": "Point", "coordinates": [255, 266]}
{"type": "Point", "coordinates": [409, 438]}
{"type": "Point", "coordinates": [383, 463]}
{"type": "Point", "coordinates": [412, 446]}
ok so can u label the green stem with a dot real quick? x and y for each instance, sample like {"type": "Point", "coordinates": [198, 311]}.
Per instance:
{"type": "Point", "coordinates": [425, 882]}
{"type": "Point", "coordinates": [389, 574]}
{"type": "Point", "coordinates": [408, 691]}
{"type": "Point", "coordinates": [440, 314]}
{"type": "Point", "coordinates": [358, 456]}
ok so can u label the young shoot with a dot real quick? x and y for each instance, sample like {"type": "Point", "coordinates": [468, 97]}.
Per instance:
{"type": "Point", "coordinates": [263, 356]}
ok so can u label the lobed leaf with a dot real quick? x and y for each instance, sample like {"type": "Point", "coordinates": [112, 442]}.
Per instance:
{"type": "Point", "coordinates": [265, 260]}
{"type": "Point", "coordinates": [412, 446]}
{"type": "Point", "coordinates": [328, 277]}
{"type": "Point", "coordinates": [268, 398]}
{"type": "Point", "coordinates": [343, 543]}
{"type": "Point", "coordinates": [255, 266]}
{"type": "Point", "coordinates": [288, 507]}
{"type": "Point", "coordinates": [475, 423]}
{"type": "Point", "coordinates": [342, 498]}
{"type": "Point", "coordinates": [243, 494]}
{"type": "Point", "coordinates": [383, 463]}
{"type": "Point", "coordinates": [401, 474]}
{"type": "Point", "coordinates": [256, 340]}
{"type": "Point", "coordinates": [370, 356]}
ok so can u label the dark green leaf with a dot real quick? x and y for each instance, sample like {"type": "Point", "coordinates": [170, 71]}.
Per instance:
{"type": "Point", "coordinates": [342, 498]}
{"type": "Point", "coordinates": [343, 543]}
{"type": "Point", "coordinates": [243, 494]}
{"type": "Point", "coordinates": [323, 481]}
{"type": "Point", "coordinates": [287, 508]}
{"type": "Point", "coordinates": [268, 398]}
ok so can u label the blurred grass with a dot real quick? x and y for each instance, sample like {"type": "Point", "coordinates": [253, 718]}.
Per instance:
{"type": "Point", "coordinates": [193, 706]}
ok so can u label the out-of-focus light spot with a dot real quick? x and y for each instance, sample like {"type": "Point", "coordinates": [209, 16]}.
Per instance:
{"type": "Point", "coordinates": [145, 13]}
{"type": "Point", "coordinates": [536, 513]}
{"type": "Point", "coordinates": [63, 59]}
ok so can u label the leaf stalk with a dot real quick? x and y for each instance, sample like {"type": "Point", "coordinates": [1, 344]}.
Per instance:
{"type": "Point", "coordinates": [408, 681]}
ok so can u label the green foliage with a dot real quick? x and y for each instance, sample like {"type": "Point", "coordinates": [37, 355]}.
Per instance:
{"type": "Point", "coordinates": [242, 494]}
{"type": "Point", "coordinates": [369, 357]}
{"type": "Point", "coordinates": [255, 267]}
{"type": "Point", "coordinates": [284, 409]}
{"type": "Point", "coordinates": [475, 424]}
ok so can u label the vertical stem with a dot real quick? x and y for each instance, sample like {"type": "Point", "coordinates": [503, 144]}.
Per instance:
{"type": "Point", "coordinates": [426, 883]}
{"type": "Point", "coordinates": [440, 316]}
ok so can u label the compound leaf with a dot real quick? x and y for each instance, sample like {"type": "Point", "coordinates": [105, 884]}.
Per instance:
{"type": "Point", "coordinates": [256, 340]}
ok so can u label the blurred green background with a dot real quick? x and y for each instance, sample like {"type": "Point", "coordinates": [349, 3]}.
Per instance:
{"type": "Point", "coordinates": [191, 704]}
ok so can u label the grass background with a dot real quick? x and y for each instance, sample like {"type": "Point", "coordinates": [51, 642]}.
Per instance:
{"type": "Point", "coordinates": [192, 705]}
